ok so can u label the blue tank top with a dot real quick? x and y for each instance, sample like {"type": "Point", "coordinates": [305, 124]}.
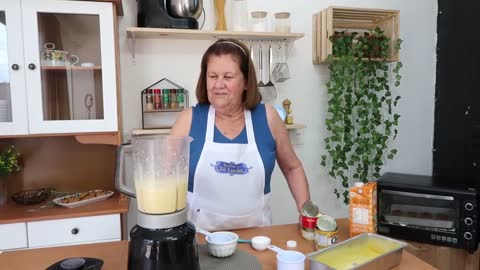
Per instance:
{"type": "Point", "coordinates": [262, 133]}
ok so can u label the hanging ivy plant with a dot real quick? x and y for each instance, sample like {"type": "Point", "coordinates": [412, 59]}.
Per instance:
{"type": "Point", "coordinates": [362, 120]}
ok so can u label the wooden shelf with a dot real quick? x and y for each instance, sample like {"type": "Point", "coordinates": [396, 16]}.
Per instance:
{"type": "Point", "coordinates": [164, 110]}
{"type": "Point", "coordinates": [140, 131]}
{"type": "Point", "coordinates": [295, 126]}
{"type": "Point", "coordinates": [332, 19]}
{"type": "Point", "coordinates": [169, 33]}
{"type": "Point", "coordinates": [70, 68]}
{"type": "Point", "coordinates": [12, 212]}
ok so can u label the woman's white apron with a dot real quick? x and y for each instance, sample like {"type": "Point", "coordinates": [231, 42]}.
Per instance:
{"type": "Point", "coordinates": [228, 192]}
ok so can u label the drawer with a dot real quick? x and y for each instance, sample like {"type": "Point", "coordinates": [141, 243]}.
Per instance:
{"type": "Point", "coordinates": [13, 236]}
{"type": "Point", "coordinates": [71, 231]}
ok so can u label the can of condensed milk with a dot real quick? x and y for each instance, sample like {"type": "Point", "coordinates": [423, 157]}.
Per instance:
{"type": "Point", "coordinates": [325, 232]}
{"type": "Point", "coordinates": [309, 220]}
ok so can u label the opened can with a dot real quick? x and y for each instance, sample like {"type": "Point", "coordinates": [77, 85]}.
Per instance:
{"type": "Point", "coordinates": [309, 220]}
{"type": "Point", "coordinates": [325, 232]}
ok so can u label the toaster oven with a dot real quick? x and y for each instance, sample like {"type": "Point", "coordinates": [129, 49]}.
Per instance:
{"type": "Point", "coordinates": [418, 208]}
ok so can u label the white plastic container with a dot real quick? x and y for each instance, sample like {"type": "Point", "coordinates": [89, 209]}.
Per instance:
{"type": "Point", "coordinates": [288, 259]}
{"type": "Point", "coordinates": [258, 21]}
{"type": "Point", "coordinates": [282, 22]}
{"type": "Point", "coordinates": [238, 15]}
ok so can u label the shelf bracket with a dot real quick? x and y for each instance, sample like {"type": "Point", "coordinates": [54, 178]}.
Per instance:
{"type": "Point", "coordinates": [132, 38]}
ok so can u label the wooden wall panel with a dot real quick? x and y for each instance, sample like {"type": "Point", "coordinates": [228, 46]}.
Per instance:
{"type": "Point", "coordinates": [62, 163]}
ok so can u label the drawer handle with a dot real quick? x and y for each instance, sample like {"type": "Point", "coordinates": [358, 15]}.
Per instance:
{"type": "Point", "coordinates": [75, 231]}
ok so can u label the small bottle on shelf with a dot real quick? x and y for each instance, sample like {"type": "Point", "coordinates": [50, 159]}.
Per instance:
{"type": "Point", "coordinates": [157, 99]}
{"type": "Point", "coordinates": [181, 99]}
{"type": "Point", "coordinates": [173, 99]}
{"type": "Point", "coordinates": [149, 100]}
{"type": "Point", "coordinates": [166, 98]}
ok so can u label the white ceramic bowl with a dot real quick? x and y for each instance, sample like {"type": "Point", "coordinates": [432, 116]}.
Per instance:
{"type": "Point", "coordinates": [222, 244]}
{"type": "Point", "coordinates": [260, 242]}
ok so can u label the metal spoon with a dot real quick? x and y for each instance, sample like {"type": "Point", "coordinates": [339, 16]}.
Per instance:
{"type": "Point", "coordinates": [270, 86]}
{"type": "Point", "coordinates": [260, 84]}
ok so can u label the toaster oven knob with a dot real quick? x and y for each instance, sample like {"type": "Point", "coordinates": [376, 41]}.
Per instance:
{"type": "Point", "coordinates": [467, 235]}
{"type": "Point", "coordinates": [468, 221]}
{"type": "Point", "coordinates": [469, 206]}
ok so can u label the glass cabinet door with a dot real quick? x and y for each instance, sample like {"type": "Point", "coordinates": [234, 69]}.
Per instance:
{"type": "Point", "coordinates": [13, 112]}
{"type": "Point", "coordinates": [70, 57]}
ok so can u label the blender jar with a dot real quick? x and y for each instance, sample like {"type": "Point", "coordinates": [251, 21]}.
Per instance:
{"type": "Point", "coordinates": [160, 172]}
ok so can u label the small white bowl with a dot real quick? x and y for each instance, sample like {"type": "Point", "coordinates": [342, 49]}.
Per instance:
{"type": "Point", "coordinates": [222, 244]}
{"type": "Point", "coordinates": [260, 242]}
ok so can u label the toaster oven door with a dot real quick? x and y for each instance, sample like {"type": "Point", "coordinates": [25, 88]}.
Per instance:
{"type": "Point", "coordinates": [418, 210]}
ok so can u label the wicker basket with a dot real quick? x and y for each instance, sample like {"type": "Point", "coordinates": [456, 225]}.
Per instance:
{"type": "Point", "coordinates": [33, 196]}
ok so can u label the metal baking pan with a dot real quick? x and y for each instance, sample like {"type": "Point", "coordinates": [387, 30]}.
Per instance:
{"type": "Point", "coordinates": [365, 251]}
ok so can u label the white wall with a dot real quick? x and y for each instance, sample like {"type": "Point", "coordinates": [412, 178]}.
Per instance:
{"type": "Point", "coordinates": [179, 60]}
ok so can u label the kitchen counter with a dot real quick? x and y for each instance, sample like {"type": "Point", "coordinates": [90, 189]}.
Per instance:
{"type": "Point", "coordinates": [115, 254]}
{"type": "Point", "coordinates": [12, 212]}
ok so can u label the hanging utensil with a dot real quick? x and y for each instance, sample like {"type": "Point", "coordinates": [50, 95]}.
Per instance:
{"type": "Point", "coordinates": [270, 87]}
{"type": "Point", "coordinates": [261, 85]}
{"type": "Point", "coordinates": [283, 72]}
{"type": "Point", "coordinates": [278, 64]}
{"type": "Point", "coordinates": [251, 52]}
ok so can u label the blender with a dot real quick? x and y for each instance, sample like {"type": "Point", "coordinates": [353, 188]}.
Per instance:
{"type": "Point", "coordinates": [163, 238]}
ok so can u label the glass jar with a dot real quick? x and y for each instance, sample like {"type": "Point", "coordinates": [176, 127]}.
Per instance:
{"type": "Point", "coordinates": [258, 21]}
{"type": "Point", "coordinates": [239, 15]}
{"type": "Point", "coordinates": [149, 100]}
{"type": "Point", "coordinates": [282, 22]}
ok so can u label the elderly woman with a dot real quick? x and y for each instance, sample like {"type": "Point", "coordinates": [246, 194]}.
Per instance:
{"type": "Point", "coordinates": [236, 142]}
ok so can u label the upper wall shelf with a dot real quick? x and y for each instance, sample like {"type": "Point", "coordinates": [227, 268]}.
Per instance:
{"type": "Point", "coordinates": [170, 33]}
{"type": "Point", "coordinates": [332, 19]}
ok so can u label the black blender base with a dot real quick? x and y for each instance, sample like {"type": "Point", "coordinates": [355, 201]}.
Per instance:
{"type": "Point", "coordinates": [163, 249]}
{"type": "Point", "coordinates": [152, 13]}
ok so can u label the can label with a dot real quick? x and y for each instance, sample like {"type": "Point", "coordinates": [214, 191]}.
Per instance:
{"type": "Point", "coordinates": [324, 239]}
{"type": "Point", "coordinates": [309, 223]}
{"type": "Point", "coordinates": [308, 235]}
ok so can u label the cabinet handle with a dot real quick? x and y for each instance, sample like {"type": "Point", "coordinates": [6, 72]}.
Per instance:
{"type": "Point", "coordinates": [31, 66]}
{"type": "Point", "coordinates": [15, 67]}
{"type": "Point", "coordinates": [75, 231]}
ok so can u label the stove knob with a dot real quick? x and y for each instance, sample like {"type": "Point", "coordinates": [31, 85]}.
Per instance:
{"type": "Point", "coordinates": [468, 221]}
{"type": "Point", "coordinates": [469, 206]}
{"type": "Point", "coordinates": [467, 235]}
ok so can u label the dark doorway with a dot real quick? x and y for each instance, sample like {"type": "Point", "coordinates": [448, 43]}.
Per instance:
{"type": "Point", "coordinates": [456, 155]}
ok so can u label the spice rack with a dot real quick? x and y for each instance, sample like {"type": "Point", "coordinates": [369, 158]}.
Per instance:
{"type": "Point", "coordinates": [333, 19]}
{"type": "Point", "coordinates": [161, 104]}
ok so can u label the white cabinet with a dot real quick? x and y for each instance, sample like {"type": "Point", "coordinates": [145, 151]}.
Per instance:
{"type": "Point", "coordinates": [57, 67]}
{"type": "Point", "coordinates": [74, 231]}
{"type": "Point", "coordinates": [60, 232]}
{"type": "Point", "coordinates": [13, 236]}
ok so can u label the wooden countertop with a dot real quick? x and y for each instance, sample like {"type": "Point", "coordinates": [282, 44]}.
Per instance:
{"type": "Point", "coordinates": [115, 254]}
{"type": "Point", "coordinates": [13, 213]}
